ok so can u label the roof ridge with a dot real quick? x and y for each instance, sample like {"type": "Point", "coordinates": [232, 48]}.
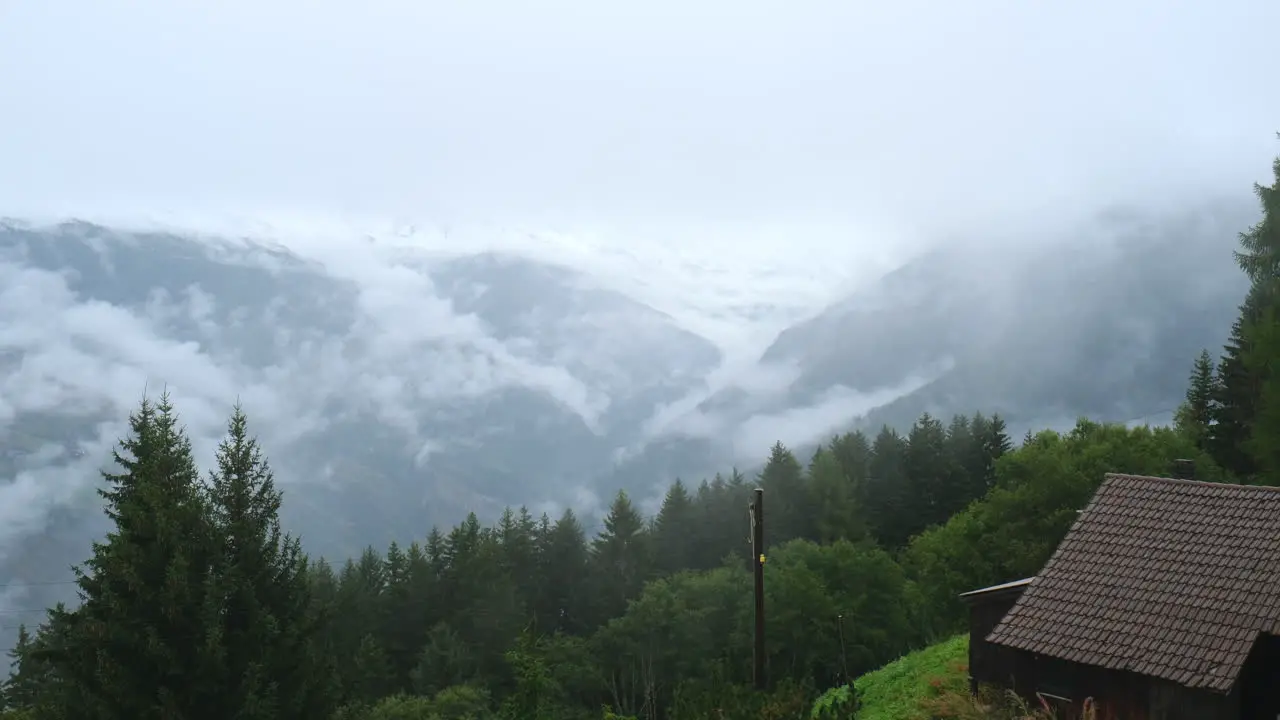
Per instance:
{"type": "Point", "coordinates": [1180, 481]}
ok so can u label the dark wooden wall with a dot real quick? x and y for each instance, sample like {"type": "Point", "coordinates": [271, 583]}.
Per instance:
{"type": "Point", "coordinates": [1170, 701]}
{"type": "Point", "coordinates": [1260, 681]}
{"type": "Point", "coordinates": [1114, 694]}
{"type": "Point", "coordinates": [990, 664]}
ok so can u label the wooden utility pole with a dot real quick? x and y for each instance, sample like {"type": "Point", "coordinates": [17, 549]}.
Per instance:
{"type": "Point", "coordinates": [757, 561]}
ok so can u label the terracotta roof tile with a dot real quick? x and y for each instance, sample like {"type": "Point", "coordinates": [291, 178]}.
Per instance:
{"type": "Point", "coordinates": [1169, 578]}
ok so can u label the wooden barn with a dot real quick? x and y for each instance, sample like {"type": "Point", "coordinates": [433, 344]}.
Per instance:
{"type": "Point", "coordinates": [1161, 603]}
{"type": "Point", "coordinates": [987, 607]}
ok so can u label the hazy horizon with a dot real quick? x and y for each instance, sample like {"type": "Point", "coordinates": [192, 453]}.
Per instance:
{"type": "Point", "coordinates": [883, 125]}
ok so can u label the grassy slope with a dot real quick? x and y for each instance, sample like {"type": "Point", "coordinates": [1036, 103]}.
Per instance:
{"type": "Point", "coordinates": [897, 690]}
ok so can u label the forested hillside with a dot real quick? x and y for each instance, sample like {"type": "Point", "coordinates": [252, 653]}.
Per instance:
{"type": "Point", "coordinates": [197, 605]}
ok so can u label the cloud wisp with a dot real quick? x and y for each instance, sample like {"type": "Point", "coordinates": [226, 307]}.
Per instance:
{"type": "Point", "coordinates": [393, 347]}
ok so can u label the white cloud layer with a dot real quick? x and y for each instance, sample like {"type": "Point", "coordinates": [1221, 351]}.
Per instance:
{"type": "Point", "coordinates": [908, 116]}
{"type": "Point", "coordinates": [408, 357]}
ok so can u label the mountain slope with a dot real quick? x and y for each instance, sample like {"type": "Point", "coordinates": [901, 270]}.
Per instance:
{"type": "Point", "coordinates": [1102, 321]}
{"type": "Point", "coordinates": [392, 395]}
{"type": "Point", "coordinates": [397, 389]}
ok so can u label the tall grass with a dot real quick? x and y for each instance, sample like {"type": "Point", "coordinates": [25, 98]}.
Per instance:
{"type": "Point", "coordinates": [929, 684]}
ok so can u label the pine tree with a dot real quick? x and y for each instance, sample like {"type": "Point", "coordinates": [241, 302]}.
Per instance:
{"type": "Point", "coordinates": [1235, 399]}
{"type": "Point", "coordinates": [564, 565]}
{"type": "Point", "coordinates": [372, 678]}
{"type": "Point", "coordinates": [1195, 415]}
{"type": "Point", "coordinates": [38, 686]}
{"type": "Point", "coordinates": [787, 501]}
{"type": "Point", "coordinates": [436, 553]}
{"type": "Point", "coordinates": [887, 495]}
{"type": "Point", "coordinates": [706, 550]}
{"type": "Point", "coordinates": [1259, 257]}
{"type": "Point", "coordinates": [927, 475]}
{"type": "Point", "coordinates": [145, 641]}
{"type": "Point", "coordinates": [1263, 442]}
{"type": "Point", "coordinates": [395, 606]}
{"type": "Point", "coordinates": [1246, 421]}
{"type": "Point", "coordinates": [721, 511]}
{"type": "Point", "coordinates": [269, 631]}
{"type": "Point", "coordinates": [520, 555]}
{"type": "Point", "coordinates": [960, 448]}
{"type": "Point", "coordinates": [995, 443]}
{"type": "Point", "coordinates": [418, 609]}
{"type": "Point", "coordinates": [853, 452]}
{"type": "Point", "coordinates": [674, 530]}
{"type": "Point", "coordinates": [19, 691]}
{"type": "Point", "coordinates": [836, 514]}
{"type": "Point", "coordinates": [622, 557]}
{"type": "Point", "coordinates": [1259, 253]}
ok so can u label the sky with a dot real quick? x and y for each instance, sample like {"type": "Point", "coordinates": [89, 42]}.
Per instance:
{"type": "Point", "coordinates": [645, 122]}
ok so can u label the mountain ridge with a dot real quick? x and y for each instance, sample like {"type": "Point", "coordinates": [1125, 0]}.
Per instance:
{"type": "Point", "coordinates": [401, 393]}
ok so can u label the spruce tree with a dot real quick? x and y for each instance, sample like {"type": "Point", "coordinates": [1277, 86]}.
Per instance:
{"type": "Point", "coordinates": [1247, 422]}
{"type": "Point", "coordinates": [517, 538]}
{"type": "Point", "coordinates": [18, 692]}
{"type": "Point", "coordinates": [853, 452]}
{"type": "Point", "coordinates": [927, 475]}
{"type": "Point", "coordinates": [565, 566]}
{"type": "Point", "coordinates": [961, 447]}
{"type": "Point", "coordinates": [836, 512]}
{"type": "Point", "coordinates": [1259, 257]}
{"type": "Point", "coordinates": [887, 495]}
{"type": "Point", "coordinates": [1195, 415]}
{"type": "Point", "coordinates": [372, 679]}
{"type": "Point", "coordinates": [1235, 399]}
{"type": "Point", "coordinates": [419, 610]}
{"type": "Point", "coordinates": [787, 503]}
{"type": "Point", "coordinates": [1259, 253]}
{"type": "Point", "coordinates": [36, 685]}
{"type": "Point", "coordinates": [622, 556]}
{"type": "Point", "coordinates": [994, 442]}
{"type": "Point", "coordinates": [674, 530]}
{"type": "Point", "coordinates": [356, 606]}
{"type": "Point", "coordinates": [146, 640]}
{"type": "Point", "coordinates": [269, 631]}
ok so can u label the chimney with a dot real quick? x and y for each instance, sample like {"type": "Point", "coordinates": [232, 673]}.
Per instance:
{"type": "Point", "coordinates": [1184, 469]}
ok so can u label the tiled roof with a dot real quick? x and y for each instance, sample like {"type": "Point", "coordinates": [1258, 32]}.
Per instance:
{"type": "Point", "coordinates": [1169, 578]}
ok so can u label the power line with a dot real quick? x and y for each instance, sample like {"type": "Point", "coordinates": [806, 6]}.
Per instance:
{"type": "Point", "coordinates": [1153, 413]}
{"type": "Point", "coordinates": [6, 586]}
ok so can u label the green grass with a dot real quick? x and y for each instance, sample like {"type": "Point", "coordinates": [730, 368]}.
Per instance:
{"type": "Point", "coordinates": [898, 690]}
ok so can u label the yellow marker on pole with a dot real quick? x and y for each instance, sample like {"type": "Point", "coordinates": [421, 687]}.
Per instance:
{"type": "Point", "coordinates": [761, 558]}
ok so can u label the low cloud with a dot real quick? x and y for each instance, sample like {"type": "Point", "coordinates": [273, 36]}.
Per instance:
{"type": "Point", "coordinates": [397, 353]}
{"type": "Point", "coordinates": [795, 427]}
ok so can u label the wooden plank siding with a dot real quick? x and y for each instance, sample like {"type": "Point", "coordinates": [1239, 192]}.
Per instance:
{"type": "Point", "coordinates": [990, 664]}
{"type": "Point", "coordinates": [1260, 682]}
{"type": "Point", "coordinates": [1114, 694]}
